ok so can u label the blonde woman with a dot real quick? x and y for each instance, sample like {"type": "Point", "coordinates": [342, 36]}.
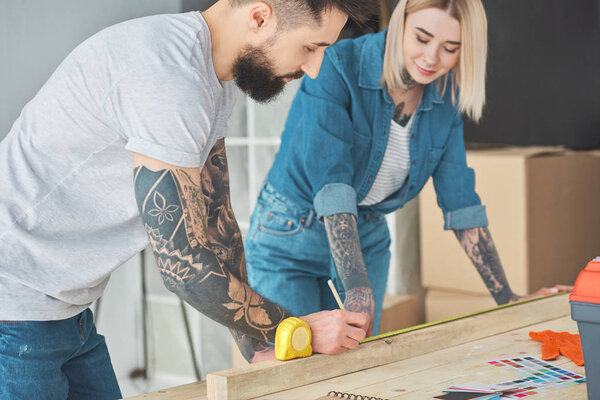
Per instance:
{"type": "Point", "coordinates": [361, 140]}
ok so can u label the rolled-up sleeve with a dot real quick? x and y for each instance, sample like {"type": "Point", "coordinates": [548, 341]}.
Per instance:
{"type": "Point", "coordinates": [328, 135]}
{"type": "Point", "coordinates": [454, 184]}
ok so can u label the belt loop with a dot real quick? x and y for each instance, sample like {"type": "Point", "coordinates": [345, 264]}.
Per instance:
{"type": "Point", "coordinates": [310, 219]}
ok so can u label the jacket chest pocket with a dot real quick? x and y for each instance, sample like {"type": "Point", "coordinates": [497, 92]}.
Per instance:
{"type": "Point", "coordinates": [360, 138]}
{"type": "Point", "coordinates": [435, 154]}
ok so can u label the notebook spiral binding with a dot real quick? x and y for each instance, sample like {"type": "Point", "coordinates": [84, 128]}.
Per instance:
{"type": "Point", "coordinates": [350, 396]}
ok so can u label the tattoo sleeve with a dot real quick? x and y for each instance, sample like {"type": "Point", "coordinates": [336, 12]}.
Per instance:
{"type": "Point", "coordinates": [199, 250]}
{"type": "Point", "coordinates": [344, 243]}
{"type": "Point", "coordinates": [479, 246]}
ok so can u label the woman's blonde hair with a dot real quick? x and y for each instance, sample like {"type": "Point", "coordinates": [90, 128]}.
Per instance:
{"type": "Point", "coordinates": [469, 74]}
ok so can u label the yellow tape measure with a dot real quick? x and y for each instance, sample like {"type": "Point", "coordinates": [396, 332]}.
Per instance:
{"type": "Point", "coordinates": [292, 339]}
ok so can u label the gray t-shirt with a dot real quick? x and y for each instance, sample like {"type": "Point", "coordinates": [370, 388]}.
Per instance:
{"type": "Point", "coordinates": [68, 215]}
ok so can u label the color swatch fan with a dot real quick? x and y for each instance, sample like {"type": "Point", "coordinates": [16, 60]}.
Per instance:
{"type": "Point", "coordinates": [535, 376]}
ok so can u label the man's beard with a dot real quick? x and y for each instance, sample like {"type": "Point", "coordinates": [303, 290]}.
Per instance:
{"type": "Point", "coordinates": [254, 74]}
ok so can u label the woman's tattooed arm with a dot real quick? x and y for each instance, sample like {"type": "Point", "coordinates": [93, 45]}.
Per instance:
{"type": "Point", "coordinates": [198, 246]}
{"type": "Point", "coordinates": [344, 243]}
{"type": "Point", "coordinates": [479, 246]}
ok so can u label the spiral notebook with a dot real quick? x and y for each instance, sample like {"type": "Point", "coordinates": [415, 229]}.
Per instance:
{"type": "Point", "coordinates": [347, 396]}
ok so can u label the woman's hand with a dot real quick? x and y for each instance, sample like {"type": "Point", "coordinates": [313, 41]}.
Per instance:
{"type": "Point", "coordinates": [360, 300]}
{"type": "Point", "coordinates": [544, 292]}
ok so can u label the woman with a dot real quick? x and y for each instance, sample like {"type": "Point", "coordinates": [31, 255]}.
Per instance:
{"type": "Point", "coordinates": [360, 141]}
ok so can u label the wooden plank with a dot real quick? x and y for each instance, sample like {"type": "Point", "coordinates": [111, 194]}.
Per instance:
{"type": "Point", "coordinates": [274, 376]}
{"type": "Point", "coordinates": [192, 391]}
{"type": "Point", "coordinates": [424, 376]}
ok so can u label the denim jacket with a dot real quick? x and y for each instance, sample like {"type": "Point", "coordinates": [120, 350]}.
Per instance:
{"type": "Point", "coordinates": [336, 134]}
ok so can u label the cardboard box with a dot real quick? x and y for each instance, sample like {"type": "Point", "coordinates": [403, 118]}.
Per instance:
{"type": "Point", "coordinates": [399, 312]}
{"type": "Point", "coordinates": [440, 304]}
{"type": "Point", "coordinates": [543, 207]}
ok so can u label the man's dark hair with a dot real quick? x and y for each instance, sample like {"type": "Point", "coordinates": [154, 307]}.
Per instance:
{"type": "Point", "coordinates": [357, 10]}
{"type": "Point", "coordinates": [298, 12]}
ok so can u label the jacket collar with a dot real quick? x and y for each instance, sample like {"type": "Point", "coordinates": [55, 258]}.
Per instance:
{"type": "Point", "coordinates": [371, 69]}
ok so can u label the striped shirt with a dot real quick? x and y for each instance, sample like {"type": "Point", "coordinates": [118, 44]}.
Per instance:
{"type": "Point", "coordinates": [394, 167]}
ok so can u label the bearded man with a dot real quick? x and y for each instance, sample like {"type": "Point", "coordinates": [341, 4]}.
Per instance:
{"type": "Point", "coordinates": [131, 125]}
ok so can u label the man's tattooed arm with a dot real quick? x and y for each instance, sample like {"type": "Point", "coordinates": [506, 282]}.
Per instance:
{"type": "Point", "coordinates": [225, 234]}
{"type": "Point", "coordinates": [344, 243]}
{"type": "Point", "coordinates": [198, 246]}
{"type": "Point", "coordinates": [479, 246]}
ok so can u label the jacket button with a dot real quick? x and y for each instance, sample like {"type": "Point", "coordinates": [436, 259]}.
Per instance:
{"type": "Point", "coordinates": [260, 227]}
{"type": "Point", "coordinates": [378, 155]}
{"type": "Point", "coordinates": [412, 187]}
{"type": "Point", "coordinates": [270, 215]}
{"type": "Point", "coordinates": [414, 162]}
{"type": "Point", "coordinates": [370, 178]}
{"type": "Point", "coordinates": [290, 223]}
{"type": "Point", "coordinates": [412, 137]}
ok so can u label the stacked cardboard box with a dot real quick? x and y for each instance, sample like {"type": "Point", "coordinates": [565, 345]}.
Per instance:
{"type": "Point", "coordinates": [442, 304]}
{"type": "Point", "coordinates": [399, 312]}
{"type": "Point", "coordinates": [543, 207]}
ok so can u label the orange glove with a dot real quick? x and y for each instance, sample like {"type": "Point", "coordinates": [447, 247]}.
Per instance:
{"type": "Point", "coordinates": [567, 344]}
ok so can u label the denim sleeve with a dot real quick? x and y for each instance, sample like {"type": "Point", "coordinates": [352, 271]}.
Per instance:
{"type": "Point", "coordinates": [328, 135]}
{"type": "Point", "coordinates": [454, 184]}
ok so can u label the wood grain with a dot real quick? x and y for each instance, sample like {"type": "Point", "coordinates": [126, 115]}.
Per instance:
{"type": "Point", "coordinates": [274, 376]}
{"type": "Point", "coordinates": [424, 376]}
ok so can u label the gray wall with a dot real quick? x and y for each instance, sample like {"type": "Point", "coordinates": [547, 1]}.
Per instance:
{"type": "Point", "coordinates": [35, 35]}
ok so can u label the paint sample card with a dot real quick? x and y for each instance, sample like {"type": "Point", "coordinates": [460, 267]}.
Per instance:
{"type": "Point", "coordinates": [467, 396]}
{"type": "Point", "coordinates": [535, 376]}
{"type": "Point", "coordinates": [477, 387]}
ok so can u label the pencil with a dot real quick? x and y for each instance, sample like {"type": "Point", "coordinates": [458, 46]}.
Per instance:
{"type": "Point", "coordinates": [335, 294]}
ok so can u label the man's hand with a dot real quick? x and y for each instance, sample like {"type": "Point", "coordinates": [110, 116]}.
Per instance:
{"type": "Point", "coordinates": [265, 355]}
{"type": "Point", "coordinates": [360, 300]}
{"type": "Point", "coordinates": [544, 292]}
{"type": "Point", "coordinates": [336, 331]}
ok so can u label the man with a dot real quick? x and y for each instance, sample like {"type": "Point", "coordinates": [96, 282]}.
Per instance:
{"type": "Point", "coordinates": [131, 124]}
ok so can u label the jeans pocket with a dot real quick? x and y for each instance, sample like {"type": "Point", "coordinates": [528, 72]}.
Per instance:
{"type": "Point", "coordinates": [9, 329]}
{"type": "Point", "coordinates": [279, 224]}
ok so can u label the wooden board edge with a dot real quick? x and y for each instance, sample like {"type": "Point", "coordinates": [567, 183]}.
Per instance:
{"type": "Point", "coordinates": [273, 376]}
{"type": "Point", "coordinates": [190, 391]}
{"type": "Point", "coordinates": [450, 319]}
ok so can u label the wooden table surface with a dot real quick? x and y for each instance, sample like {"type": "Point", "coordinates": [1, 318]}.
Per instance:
{"type": "Point", "coordinates": [424, 376]}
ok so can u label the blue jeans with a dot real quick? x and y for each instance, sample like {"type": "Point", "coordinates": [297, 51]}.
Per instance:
{"type": "Point", "coordinates": [55, 360]}
{"type": "Point", "coordinates": [288, 257]}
